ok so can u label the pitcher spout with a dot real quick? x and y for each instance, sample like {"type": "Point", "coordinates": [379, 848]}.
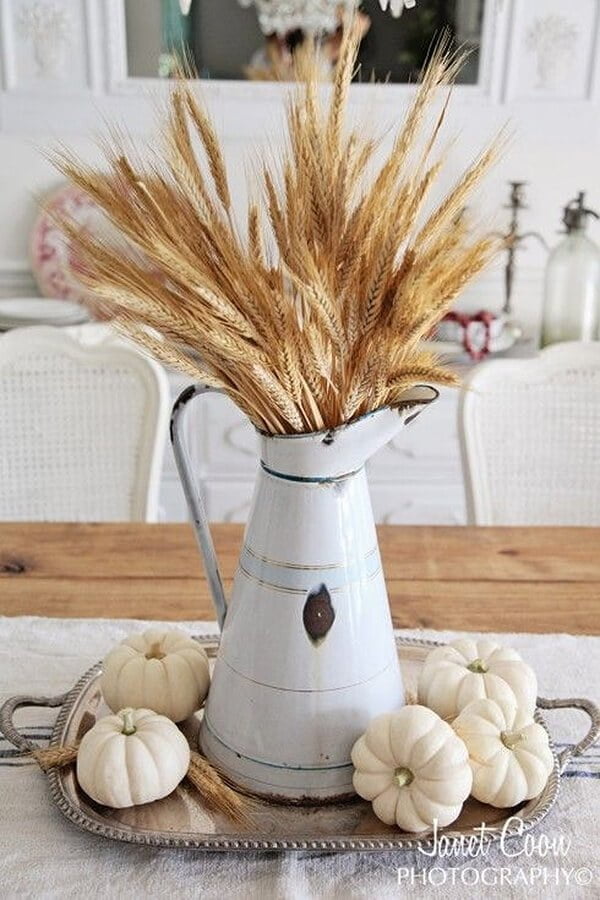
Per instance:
{"type": "Point", "coordinates": [336, 452]}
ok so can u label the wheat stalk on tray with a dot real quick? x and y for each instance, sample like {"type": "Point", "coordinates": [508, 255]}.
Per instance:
{"type": "Point", "coordinates": [316, 312]}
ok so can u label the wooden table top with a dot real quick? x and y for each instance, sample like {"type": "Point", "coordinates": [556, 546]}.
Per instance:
{"type": "Point", "coordinates": [472, 579]}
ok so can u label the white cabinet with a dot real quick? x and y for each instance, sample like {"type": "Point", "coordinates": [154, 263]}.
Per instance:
{"type": "Point", "coordinates": [418, 503]}
{"type": "Point", "coordinates": [416, 479]}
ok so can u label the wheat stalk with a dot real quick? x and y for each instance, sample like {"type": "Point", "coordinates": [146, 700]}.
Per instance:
{"type": "Point", "coordinates": [316, 313]}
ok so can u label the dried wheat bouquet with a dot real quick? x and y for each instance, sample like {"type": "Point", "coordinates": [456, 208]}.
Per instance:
{"type": "Point", "coordinates": [315, 313]}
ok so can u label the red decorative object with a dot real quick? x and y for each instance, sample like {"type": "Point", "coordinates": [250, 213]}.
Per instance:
{"type": "Point", "coordinates": [51, 258]}
{"type": "Point", "coordinates": [466, 321]}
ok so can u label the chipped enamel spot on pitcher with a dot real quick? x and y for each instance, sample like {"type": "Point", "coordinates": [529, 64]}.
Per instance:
{"type": "Point", "coordinates": [307, 655]}
{"type": "Point", "coordinates": [318, 614]}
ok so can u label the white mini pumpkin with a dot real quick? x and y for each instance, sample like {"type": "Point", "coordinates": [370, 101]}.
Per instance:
{"type": "Point", "coordinates": [165, 671]}
{"type": "Point", "coordinates": [509, 753]}
{"type": "Point", "coordinates": [469, 669]}
{"type": "Point", "coordinates": [131, 758]}
{"type": "Point", "coordinates": [413, 768]}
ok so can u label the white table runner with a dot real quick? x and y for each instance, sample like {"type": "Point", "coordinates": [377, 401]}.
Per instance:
{"type": "Point", "coordinates": [42, 855]}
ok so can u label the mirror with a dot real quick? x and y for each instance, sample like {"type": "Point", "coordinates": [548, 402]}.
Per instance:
{"type": "Point", "coordinates": [227, 41]}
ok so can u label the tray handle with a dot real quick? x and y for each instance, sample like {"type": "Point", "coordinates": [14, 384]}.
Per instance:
{"type": "Point", "coordinates": [586, 706]}
{"type": "Point", "coordinates": [8, 709]}
{"type": "Point", "coordinates": [10, 732]}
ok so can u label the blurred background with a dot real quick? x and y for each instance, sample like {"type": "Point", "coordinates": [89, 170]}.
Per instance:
{"type": "Point", "coordinates": [66, 65]}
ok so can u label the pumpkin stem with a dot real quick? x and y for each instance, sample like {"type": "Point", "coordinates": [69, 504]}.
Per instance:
{"type": "Point", "coordinates": [128, 726]}
{"type": "Point", "coordinates": [511, 739]}
{"type": "Point", "coordinates": [403, 776]}
{"type": "Point", "coordinates": [478, 666]}
{"type": "Point", "coordinates": [155, 652]}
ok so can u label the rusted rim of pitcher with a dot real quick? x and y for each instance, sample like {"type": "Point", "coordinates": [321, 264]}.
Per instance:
{"type": "Point", "coordinates": [404, 404]}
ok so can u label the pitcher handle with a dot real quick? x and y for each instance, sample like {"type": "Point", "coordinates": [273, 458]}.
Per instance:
{"type": "Point", "coordinates": [193, 497]}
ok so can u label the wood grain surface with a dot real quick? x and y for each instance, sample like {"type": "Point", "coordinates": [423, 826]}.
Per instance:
{"type": "Point", "coordinates": [471, 579]}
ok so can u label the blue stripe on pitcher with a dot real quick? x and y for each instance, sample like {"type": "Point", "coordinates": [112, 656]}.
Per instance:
{"type": "Point", "coordinates": [300, 579]}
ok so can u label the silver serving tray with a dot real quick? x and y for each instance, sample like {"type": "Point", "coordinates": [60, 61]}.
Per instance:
{"type": "Point", "coordinates": [180, 820]}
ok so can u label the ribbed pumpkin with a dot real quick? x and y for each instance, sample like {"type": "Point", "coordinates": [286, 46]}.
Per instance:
{"type": "Point", "coordinates": [509, 753]}
{"type": "Point", "coordinates": [165, 671]}
{"type": "Point", "coordinates": [469, 669]}
{"type": "Point", "coordinates": [132, 758]}
{"type": "Point", "coordinates": [413, 768]}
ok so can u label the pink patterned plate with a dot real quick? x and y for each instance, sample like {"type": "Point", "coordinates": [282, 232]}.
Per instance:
{"type": "Point", "coordinates": [50, 253]}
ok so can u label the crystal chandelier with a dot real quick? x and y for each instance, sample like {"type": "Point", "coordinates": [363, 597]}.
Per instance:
{"type": "Point", "coordinates": [397, 6]}
{"type": "Point", "coordinates": [313, 16]}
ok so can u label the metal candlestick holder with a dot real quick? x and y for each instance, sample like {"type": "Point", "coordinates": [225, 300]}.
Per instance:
{"type": "Point", "coordinates": [514, 239]}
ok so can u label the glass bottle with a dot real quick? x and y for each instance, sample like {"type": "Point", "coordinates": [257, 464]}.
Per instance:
{"type": "Point", "coordinates": [572, 292]}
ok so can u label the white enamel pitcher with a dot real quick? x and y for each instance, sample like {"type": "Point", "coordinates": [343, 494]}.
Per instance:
{"type": "Point", "coordinates": [307, 655]}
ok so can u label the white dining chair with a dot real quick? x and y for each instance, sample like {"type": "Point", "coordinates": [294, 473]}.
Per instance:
{"type": "Point", "coordinates": [530, 438]}
{"type": "Point", "coordinates": [83, 421]}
